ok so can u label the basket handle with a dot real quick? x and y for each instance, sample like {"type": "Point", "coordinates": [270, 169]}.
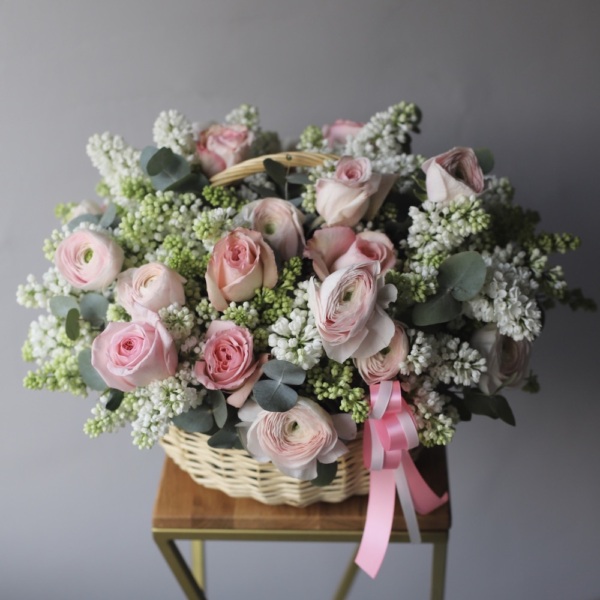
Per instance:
{"type": "Point", "coordinates": [255, 165]}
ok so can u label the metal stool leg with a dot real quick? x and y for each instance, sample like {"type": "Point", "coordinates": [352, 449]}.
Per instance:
{"type": "Point", "coordinates": [438, 571]}
{"type": "Point", "coordinates": [347, 580]}
{"type": "Point", "coordinates": [198, 562]}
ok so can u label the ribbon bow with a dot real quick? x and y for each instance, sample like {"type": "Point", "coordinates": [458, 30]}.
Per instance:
{"type": "Point", "coordinates": [390, 432]}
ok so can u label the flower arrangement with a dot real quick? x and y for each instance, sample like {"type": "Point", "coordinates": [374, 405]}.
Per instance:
{"type": "Point", "coordinates": [261, 312]}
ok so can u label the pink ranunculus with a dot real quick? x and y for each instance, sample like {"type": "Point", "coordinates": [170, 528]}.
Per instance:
{"type": "Point", "coordinates": [452, 174]}
{"type": "Point", "coordinates": [222, 146]}
{"type": "Point", "coordinates": [354, 192]}
{"type": "Point", "coordinates": [228, 361]}
{"type": "Point", "coordinates": [349, 312]}
{"type": "Point", "coordinates": [507, 360]}
{"type": "Point", "coordinates": [152, 286]}
{"type": "Point", "coordinates": [241, 263]}
{"type": "Point", "coordinates": [333, 248]}
{"type": "Point", "coordinates": [336, 135]}
{"type": "Point", "coordinates": [89, 260]}
{"type": "Point", "coordinates": [280, 224]}
{"type": "Point", "coordinates": [128, 355]}
{"type": "Point", "coordinates": [385, 365]}
{"type": "Point", "coordinates": [296, 439]}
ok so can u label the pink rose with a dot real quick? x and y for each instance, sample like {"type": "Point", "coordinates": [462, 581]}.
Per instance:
{"type": "Point", "coordinates": [296, 439]}
{"type": "Point", "coordinates": [385, 365]}
{"type": "Point", "coordinates": [241, 263]}
{"type": "Point", "coordinates": [349, 311]}
{"type": "Point", "coordinates": [339, 131]}
{"type": "Point", "coordinates": [280, 223]}
{"type": "Point", "coordinates": [128, 355]}
{"type": "Point", "coordinates": [222, 146]}
{"type": "Point", "coordinates": [507, 360]}
{"type": "Point", "coordinates": [228, 361]}
{"type": "Point", "coordinates": [452, 174]}
{"type": "Point", "coordinates": [89, 260]}
{"type": "Point", "coordinates": [333, 248]}
{"type": "Point", "coordinates": [354, 192]}
{"type": "Point", "coordinates": [152, 286]}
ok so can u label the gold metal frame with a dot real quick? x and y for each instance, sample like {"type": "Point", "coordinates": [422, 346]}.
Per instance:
{"type": "Point", "coordinates": [193, 581]}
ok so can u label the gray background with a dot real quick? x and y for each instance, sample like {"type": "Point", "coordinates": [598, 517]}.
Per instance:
{"type": "Point", "coordinates": [519, 77]}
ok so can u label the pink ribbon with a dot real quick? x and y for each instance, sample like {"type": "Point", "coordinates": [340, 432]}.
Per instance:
{"type": "Point", "coordinates": [390, 432]}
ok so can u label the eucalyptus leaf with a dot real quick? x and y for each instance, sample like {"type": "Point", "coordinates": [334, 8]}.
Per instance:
{"type": "Point", "coordinates": [298, 178]}
{"type": "Point", "coordinates": [72, 324]}
{"type": "Point", "coordinates": [463, 274]}
{"type": "Point", "coordinates": [93, 308]}
{"type": "Point", "coordinates": [164, 167]}
{"type": "Point", "coordinates": [225, 438]}
{"type": "Point", "coordinates": [87, 218]}
{"type": "Point", "coordinates": [147, 153]}
{"type": "Point", "coordinates": [496, 407]}
{"type": "Point", "coordinates": [115, 397]}
{"type": "Point", "coordinates": [325, 473]}
{"type": "Point", "coordinates": [195, 420]}
{"type": "Point", "coordinates": [90, 376]}
{"type": "Point", "coordinates": [274, 396]}
{"type": "Point", "coordinates": [485, 159]}
{"type": "Point", "coordinates": [61, 305]}
{"type": "Point", "coordinates": [440, 308]}
{"type": "Point", "coordinates": [276, 171]}
{"type": "Point", "coordinates": [109, 216]}
{"type": "Point", "coordinates": [216, 399]}
{"type": "Point", "coordinates": [284, 372]}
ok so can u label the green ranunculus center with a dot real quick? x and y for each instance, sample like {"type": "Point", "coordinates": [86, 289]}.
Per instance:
{"type": "Point", "coordinates": [269, 228]}
{"type": "Point", "coordinates": [88, 255]}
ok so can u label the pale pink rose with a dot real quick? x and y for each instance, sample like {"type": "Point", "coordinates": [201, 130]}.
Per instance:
{"type": "Point", "coordinates": [333, 248]}
{"type": "Point", "coordinates": [228, 361]}
{"type": "Point", "coordinates": [296, 439]}
{"type": "Point", "coordinates": [507, 360]}
{"type": "Point", "coordinates": [128, 355]}
{"type": "Point", "coordinates": [354, 192]}
{"type": "Point", "coordinates": [349, 312]}
{"type": "Point", "coordinates": [339, 131]}
{"type": "Point", "coordinates": [222, 146]}
{"type": "Point", "coordinates": [452, 174]}
{"type": "Point", "coordinates": [241, 263]}
{"type": "Point", "coordinates": [152, 286]}
{"type": "Point", "coordinates": [280, 224]}
{"type": "Point", "coordinates": [385, 365]}
{"type": "Point", "coordinates": [89, 260]}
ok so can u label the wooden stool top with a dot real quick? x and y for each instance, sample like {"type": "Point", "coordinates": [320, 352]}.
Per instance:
{"type": "Point", "coordinates": [183, 504]}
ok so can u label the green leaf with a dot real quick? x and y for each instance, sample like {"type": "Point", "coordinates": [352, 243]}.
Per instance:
{"type": "Point", "coordinates": [109, 216]}
{"type": "Point", "coordinates": [93, 308]}
{"type": "Point", "coordinates": [147, 153]}
{"type": "Point", "coordinates": [463, 274]}
{"type": "Point", "coordinates": [284, 372]}
{"type": "Point", "coordinates": [61, 305]}
{"type": "Point", "coordinates": [164, 167]}
{"type": "Point", "coordinates": [87, 218]}
{"type": "Point", "coordinates": [90, 376]}
{"type": "Point", "coordinates": [496, 407]}
{"type": "Point", "coordinates": [298, 178]}
{"type": "Point", "coordinates": [72, 324]}
{"type": "Point", "coordinates": [276, 171]}
{"type": "Point", "coordinates": [115, 397]}
{"type": "Point", "coordinates": [440, 308]}
{"type": "Point", "coordinates": [225, 438]}
{"type": "Point", "coordinates": [195, 420]}
{"type": "Point", "coordinates": [325, 473]}
{"type": "Point", "coordinates": [274, 396]}
{"type": "Point", "coordinates": [485, 159]}
{"type": "Point", "coordinates": [216, 399]}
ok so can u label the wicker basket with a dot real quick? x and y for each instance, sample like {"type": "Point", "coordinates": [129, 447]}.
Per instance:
{"type": "Point", "coordinates": [235, 472]}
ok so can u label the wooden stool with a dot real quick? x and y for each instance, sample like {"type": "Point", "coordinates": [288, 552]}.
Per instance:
{"type": "Point", "coordinates": [185, 510]}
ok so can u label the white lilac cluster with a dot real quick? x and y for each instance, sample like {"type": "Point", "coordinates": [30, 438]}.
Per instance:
{"type": "Point", "coordinates": [179, 320]}
{"type": "Point", "coordinates": [246, 115]}
{"type": "Point", "coordinates": [436, 419]}
{"type": "Point", "coordinates": [456, 362]}
{"type": "Point", "coordinates": [34, 294]}
{"type": "Point", "coordinates": [173, 130]}
{"type": "Point", "coordinates": [508, 296]}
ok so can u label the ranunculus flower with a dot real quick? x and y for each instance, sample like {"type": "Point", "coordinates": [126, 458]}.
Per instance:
{"type": "Point", "coordinates": [332, 248]}
{"type": "Point", "coordinates": [241, 263]}
{"type": "Point", "coordinates": [296, 439]}
{"type": "Point", "coordinates": [228, 361]}
{"type": "Point", "coordinates": [339, 131]}
{"type": "Point", "coordinates": [128, 355]}
{"type": "Point", "coordinates": [507, 360]}
{"type": "Point", "coordinates": [452, 174]}
{"type": "Point", "coordinates": [89, 260]}
{"type": "Point", "coordinates": [354, 192]}
{"type": "Point", "coordinates": [280, 224]}
{"type": "Point", "coordinates": [152, 286]}
{"type": "Point", "coordinates": [349, 311]}
{"type": "Point", "coordinates": [385, 365]}
{"type": "Point", "coordinates": [222, 146]}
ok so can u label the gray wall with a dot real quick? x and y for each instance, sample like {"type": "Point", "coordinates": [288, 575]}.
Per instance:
{"type": "Point", "coordinates": [519, 77]}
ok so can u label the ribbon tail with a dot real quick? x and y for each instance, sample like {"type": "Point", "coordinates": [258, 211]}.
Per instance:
{"type": "Point", "coordinates": [408, 507]}
{"type": "Point", "coordinates": [424, 498]}
{"type": "Point", "coordinates": [378, 525]}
